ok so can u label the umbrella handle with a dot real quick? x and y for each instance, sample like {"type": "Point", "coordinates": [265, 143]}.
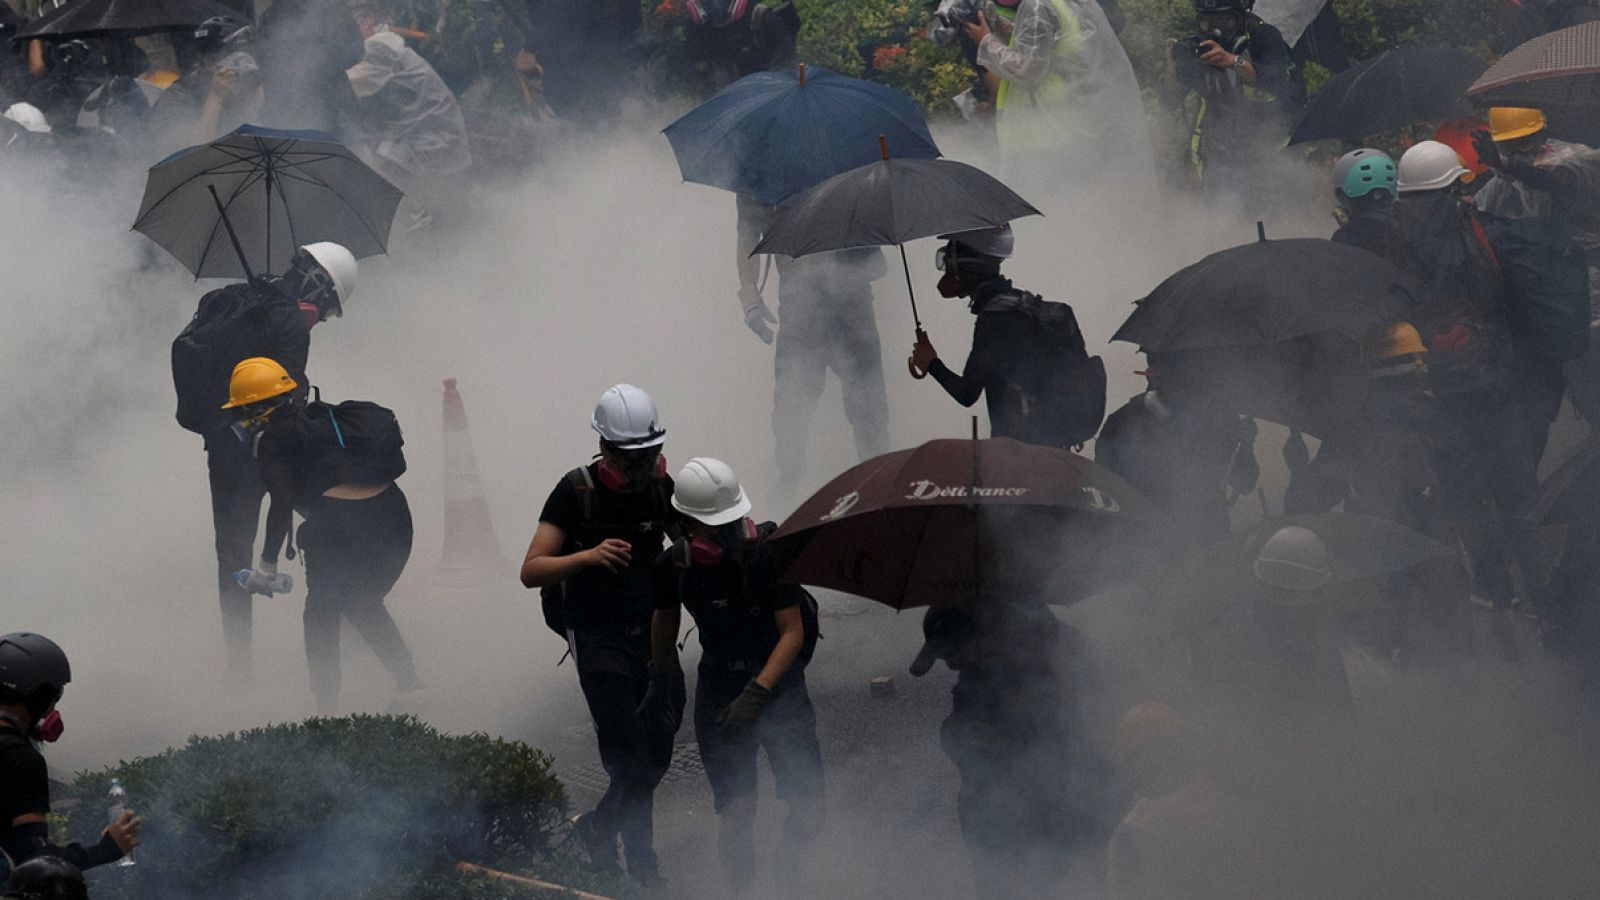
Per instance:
{"type": "Point", "coordinates": [237, 247]}
{"type": "Point", "coordinates": [911, 367]}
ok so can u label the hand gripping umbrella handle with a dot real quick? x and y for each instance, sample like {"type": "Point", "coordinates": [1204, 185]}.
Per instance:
{"type": "Point", "coordinates": [911, 367]}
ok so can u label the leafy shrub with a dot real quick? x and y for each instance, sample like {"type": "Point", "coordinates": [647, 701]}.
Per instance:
{"type": "Point", "coordinates": [368, 806]}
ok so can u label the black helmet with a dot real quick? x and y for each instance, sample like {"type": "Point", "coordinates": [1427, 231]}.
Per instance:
{"type": "Point", "coordinates": [31, 664]}
{"type": "Point", "coordinates": [218, 33]}
{"type": "Point", "coordinates": [47, 878]}
{"type": "Point", "coordinates": [1212, 7]}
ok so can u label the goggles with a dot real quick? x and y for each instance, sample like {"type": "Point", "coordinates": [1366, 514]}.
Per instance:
{"type": "Point", "coordinates": [254, 422]}
{"type": "Point", "coordinates": [316, 283]}
{"type": "Point", "coordinates": [946, 259]}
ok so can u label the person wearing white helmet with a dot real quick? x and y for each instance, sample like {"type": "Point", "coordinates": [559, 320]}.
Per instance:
{"type": "Point", "coordinates": [592, 557]}
{"type": "Point", "coordinates": [1464, 317]}
{"type": "Point", "coordinates": [269, 317]}
{"type": "Point", "coordinates": [756, 637]}
{"type": "Point", "coordinates": [1028, 358]}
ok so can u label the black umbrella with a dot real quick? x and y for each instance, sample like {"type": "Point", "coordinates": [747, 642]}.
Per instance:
{"type": "Point", "coordinates": [266, 192]}
{"type": "Point", "coordinates": [88, 18]}
{"type": "Point", "coordinates": [1274, 328]}
{"type": "Point", "coordinates": [888, 203]}
{"type": "Point", "coordinates": [1395, 89]}
{"type": "Point", "coordinates": [1271, 291]}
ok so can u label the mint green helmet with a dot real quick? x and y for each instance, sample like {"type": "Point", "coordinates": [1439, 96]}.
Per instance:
{"type": "Point", "coordinates": [1360, 172]}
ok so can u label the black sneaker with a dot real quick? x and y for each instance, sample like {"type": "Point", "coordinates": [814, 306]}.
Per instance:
{"type": "Point", "coordinates": [602, 849]}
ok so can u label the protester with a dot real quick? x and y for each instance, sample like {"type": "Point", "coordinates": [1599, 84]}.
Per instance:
{"type": "Point", "coordinates": [1536, 177]}
{"type": "Point", "coordinates": [1192, 459]}
{"type": "Point", "coordinates": [217, 91]}
{"type": "Point", "coordinates": [1229, 79]}
{"type": "Point", "coordinates": [413, 130]}
{"type": "Point", "coordinates": [1028, 358]}
{"type": "Point", "coordinates": [1463, 320]}
{"type": "Point", "coordinates": [336, 466]}
{"type": "Point", "coordinates": [1034, 789]}
{"type": "Point", "coordinates": [1067, 98]}
{"type": "Point", "coordinates": [33, 674]}
{"type": "Point", "coordinates": [589, 52]}
{"type": "Point", "coordinates": [726, 40]}
{"type": "Point", "coordinates": [1364, 184]}
{"type": "Point", "coordinates": [269, 317]}
{"type": "Point", "coordinates": [756, 637]}
{"type": "Point", "coordinates": [824, 322]}
{"type": "Point", "coordinates": [593, 556]}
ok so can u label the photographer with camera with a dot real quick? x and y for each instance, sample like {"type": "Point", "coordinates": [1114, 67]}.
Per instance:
{"type": "Point", "coordinates": [1231, 78]}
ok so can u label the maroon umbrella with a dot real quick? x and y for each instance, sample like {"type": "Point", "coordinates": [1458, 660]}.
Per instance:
{"type": "Point", "coordinates": [953, 520]}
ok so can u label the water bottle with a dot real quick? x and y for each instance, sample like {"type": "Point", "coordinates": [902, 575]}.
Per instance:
{"type": "Point", "coordinates": [281, 583]}
{"type": "Point", "coordinates": [119, 805]}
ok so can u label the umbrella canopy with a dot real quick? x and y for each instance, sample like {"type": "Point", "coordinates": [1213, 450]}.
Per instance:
{"type": "Point", "coordinates": [773, 134]}
{"type": "Point", "coordinates": [952, 520]}
{"type": "Point", "coordinates": [1359, 547]}
{"type": "Point", "coordinates": [1392, 90]}
{"type": "Point", "coordinates": [88, 18]}
{"type": "Point", "coordinates": [1559, 70]}
{"type": "Point", "coordinates": [1271, 291]}
{"type": "Point", "coordinates": [281, 189]}
{"type": "Point", "coordinates": [889, 202]}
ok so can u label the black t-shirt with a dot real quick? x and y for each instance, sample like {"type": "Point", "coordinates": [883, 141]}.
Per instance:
{"type": "Point", "coordinates": [595, 597]}
{"type": "Point", "coordinates": [24, 780]}
{"type": "Point", "coordinates": [733, 604]}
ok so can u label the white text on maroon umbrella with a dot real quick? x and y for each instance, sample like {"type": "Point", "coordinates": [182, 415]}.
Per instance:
{"type": "Point", "coordinates": [927, 490]}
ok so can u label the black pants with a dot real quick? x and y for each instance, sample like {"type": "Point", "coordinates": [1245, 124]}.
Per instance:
{"type": "Point", "coordinates": [613, 670]}
{"type": "Point", "coordinates": [787, 730]}
{"type": "Point", "coordinates": [236, 493]}
{"type": "Point", "coordinates": [355, 550]}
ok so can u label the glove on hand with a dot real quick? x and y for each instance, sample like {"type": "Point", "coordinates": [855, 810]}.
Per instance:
{"type": "Point", "coordinates": [757, 317]}
{"type": "Point", "coordinates": [658, 694]}
{"type": "Point", "coordinates": [746, 708]}
{"type": "Point", "coordinates": [1488, 151]}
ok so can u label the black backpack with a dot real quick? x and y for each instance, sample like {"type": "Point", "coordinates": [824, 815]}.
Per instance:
{"type": "Point", "coordinates": [354, 442]}
{"type": "Point", "coordinates": [553, 597]}
{"type": "Point", "coordinates": [1547, 283]}
{"type": "Point", "coordinates": [1062, 387]}
{"type": "Point", "coordinates": [228, 326]}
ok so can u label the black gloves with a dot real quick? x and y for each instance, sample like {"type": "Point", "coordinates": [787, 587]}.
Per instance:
{"type": "Point", "coordinates": [664, 699]}
{"type": "Point", "coordinates": [746, 708]}
{"type": "Point", "coordinates": [1488, 151]}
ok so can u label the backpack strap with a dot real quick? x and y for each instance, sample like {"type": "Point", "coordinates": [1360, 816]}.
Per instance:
{"type": "Point", "coordinates": [1486, 246]}
{"type": "Point", "coordinates": [583, 482]}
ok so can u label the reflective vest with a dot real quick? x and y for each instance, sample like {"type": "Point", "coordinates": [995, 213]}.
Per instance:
{"type": "Point", "coordinates": [1040, 116]}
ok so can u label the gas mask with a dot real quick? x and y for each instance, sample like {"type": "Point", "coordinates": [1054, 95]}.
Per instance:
{"type": "Point", "coordinates": [313, 287]}
{"type": "Point", "coordinates": [730, 539]}
{"type": "Point", "coordinates": [252, 425]}
{"type": "Point", "coordinates": [632, 471]}
{"type": "Point", "coordinates": [50, 728]}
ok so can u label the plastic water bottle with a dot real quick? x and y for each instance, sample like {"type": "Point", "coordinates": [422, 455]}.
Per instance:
{"type": "Point", "coordinates": [281, 583]}
{"type": "Point", "coordinates": [119, 805]}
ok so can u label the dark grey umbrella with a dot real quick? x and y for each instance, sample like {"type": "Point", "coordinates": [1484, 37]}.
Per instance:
{"type": "Point", "coordinates": [279, 190]}
{"type": "Point", "coordinates": [889, 202]}
{"type": "Point", "coordinates": [90, 18]}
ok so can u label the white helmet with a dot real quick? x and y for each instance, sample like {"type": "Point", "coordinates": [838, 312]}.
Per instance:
{"type": "Point", "coordinates": [998, 242]}
{"type": "Point", "coordinates": [1429, 166]}
{"type": "Point", "coordinates": [29, 117]}
{"type": "Point", "coordinates": [339, 263]}
{"type": "Point", "coordinates": [1294, 559]}
{"type": "Point", "coordinates": [708, 492]}
{"type": "Point", "coordinates": [626, 417]}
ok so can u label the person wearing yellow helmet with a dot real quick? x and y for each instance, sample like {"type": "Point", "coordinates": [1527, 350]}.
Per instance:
{"type": "Point", "coordinates": [336, 465]}
{"type": "Point", "coordinates": [1539, 177]}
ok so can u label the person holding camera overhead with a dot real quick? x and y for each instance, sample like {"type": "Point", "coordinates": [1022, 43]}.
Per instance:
{"type": "Point", "coordinates": [1236, 85]}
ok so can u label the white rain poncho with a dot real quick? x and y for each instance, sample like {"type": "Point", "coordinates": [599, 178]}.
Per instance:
{"type": "Point", "coordinates": [1068, 93]}
{"type": "Point", "coordinates": [408, 114]}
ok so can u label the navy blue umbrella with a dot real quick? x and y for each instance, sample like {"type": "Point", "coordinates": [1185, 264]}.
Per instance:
{"type": "Point", "coordinates": [771, 135]}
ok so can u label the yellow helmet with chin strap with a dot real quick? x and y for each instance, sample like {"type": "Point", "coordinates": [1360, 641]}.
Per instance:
{"type": "Point", "coordinates": [256, 379]}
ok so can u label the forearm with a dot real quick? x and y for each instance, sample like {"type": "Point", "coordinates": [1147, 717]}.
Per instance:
{"type": "Point", "coordinates": [33, 840]}
{"type": "Point", "coordinates": [542, 571]}
{"type": "Point", "coordinates": [1016, 63]}
{"type": "Point", "coordinates": [664, 639]}
{"type": "Point", "coordinates": [205, 128]}
{"type": "Point", "coordinates": [964, 390]}
{"type": "Point", "coordinates": [280, 518]}
{"type": "Point", "coordinates": [782, 658]}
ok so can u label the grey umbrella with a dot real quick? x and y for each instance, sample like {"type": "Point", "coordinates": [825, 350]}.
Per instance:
{"type": "Point", "coordinates": [889, 202]}
{"type": "Point", "coordinates": [266, 192]}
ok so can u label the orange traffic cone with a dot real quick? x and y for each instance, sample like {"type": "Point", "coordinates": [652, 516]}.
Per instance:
{"type": "Point", "coordinates": [472, 552]}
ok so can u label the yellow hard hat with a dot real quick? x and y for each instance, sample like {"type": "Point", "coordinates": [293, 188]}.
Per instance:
{"type": "Point", "coordinates": [1392, 340]}
{"type": "Point", "coordinates": [257, 379]}
{"type": "Point", "coordinates": [1507, 123]}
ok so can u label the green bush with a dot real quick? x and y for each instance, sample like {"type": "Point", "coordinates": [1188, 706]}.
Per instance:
{"type": "Point", "coordinates": [368, 806]}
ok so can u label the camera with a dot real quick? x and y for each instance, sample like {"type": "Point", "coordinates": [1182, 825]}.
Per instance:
{"type": "Point", "coordinates": [949, 17]}
{"type": "Point", "coordinates": [1187, 51]}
